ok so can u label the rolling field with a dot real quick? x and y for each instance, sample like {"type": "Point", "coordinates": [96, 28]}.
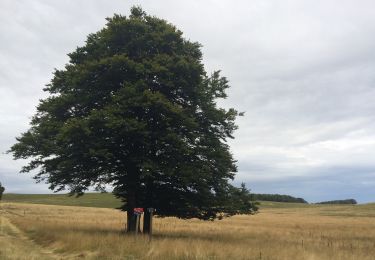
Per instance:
{"type": "Point", "coordinates": [279, 231]}
{"type": "Point", "coordinates": [100, 200]}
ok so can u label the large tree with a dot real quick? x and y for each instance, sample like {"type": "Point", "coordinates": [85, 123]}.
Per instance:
{"type": "Point", "coordinates": [134, 108]}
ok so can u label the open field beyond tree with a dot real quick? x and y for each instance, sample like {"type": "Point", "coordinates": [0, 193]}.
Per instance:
{"type": "Point", "coordinates": [100, 200]}
{"type": "Point", "coordinates": [279, 231]}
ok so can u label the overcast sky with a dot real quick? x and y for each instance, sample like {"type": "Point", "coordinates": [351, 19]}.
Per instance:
{"type": "Point", "coordinates": [303, 71]}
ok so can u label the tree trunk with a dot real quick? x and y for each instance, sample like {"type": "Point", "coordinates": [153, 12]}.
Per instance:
{"type": "Point", "coordinates": [146, 222]}
{"type": "Point", "coordinates": [147, 216]}
{"type": "Point", "coordinates": [131, 219]}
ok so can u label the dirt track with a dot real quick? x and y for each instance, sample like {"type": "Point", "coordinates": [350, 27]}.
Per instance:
{"type": "Point", "coordinates": [15, 245]}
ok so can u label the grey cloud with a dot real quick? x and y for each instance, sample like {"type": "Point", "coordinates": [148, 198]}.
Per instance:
{"type": "Point", "coordinates": [325, 184]}
{"type": "Point", "coordinates": [302, 71]}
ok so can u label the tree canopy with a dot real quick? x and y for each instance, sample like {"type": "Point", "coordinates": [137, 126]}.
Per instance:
{"type": "Point", "coordinates": [135, 108]}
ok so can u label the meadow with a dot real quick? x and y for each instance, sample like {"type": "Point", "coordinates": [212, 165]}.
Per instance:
{"type": "Point", "coordinates": [97, 200]}
{"type": "Point", "coordinates": [278, 231]}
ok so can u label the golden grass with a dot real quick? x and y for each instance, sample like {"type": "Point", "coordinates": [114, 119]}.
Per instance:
{"type": "Point", "coordinates": [336, 232]}
{"type": "Point", "coordinates": [14, 245]}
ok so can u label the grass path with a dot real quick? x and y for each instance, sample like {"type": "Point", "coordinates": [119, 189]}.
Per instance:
{"type": "Point", "coordinates": [15, 245]}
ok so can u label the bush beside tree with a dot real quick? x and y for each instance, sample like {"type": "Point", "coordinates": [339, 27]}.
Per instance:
{"type": "Point", "coordinates": [2, 189]}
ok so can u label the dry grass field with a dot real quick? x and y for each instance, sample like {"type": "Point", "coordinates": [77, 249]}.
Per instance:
{"type": "Point", "coordinates": [279, 231]}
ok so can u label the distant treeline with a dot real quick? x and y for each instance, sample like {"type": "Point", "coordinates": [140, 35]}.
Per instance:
{"type": "Point", "coordinates": [277, 198]}
{"type": "Point", "coordinates": [348, 201]}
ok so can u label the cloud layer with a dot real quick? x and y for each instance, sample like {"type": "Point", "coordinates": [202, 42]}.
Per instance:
{"type": "Point", "coordinates": [301, 70]}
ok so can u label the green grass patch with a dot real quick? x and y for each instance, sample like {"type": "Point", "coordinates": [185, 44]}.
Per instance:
{"type": "Point", "coordinates": [98, 200]}
{"type": "Point", "coordinates": [361, 210]}
{"type": "Point", "coordinates": [283, 205]}
{"type": "Point", "coordinates": [340, 210]}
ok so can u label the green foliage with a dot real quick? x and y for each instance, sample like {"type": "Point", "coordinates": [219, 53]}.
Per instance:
{"type": "Point", "coordinates": [134, 108]}
{"type": "Point", "coordinates": [237, 201]}
{"type": "Point", "coordinates": [2, 189]}
{"type": "Point", "coordinates": [347, 201]}
{"type": "Point", "coordinates": [278, 198]}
